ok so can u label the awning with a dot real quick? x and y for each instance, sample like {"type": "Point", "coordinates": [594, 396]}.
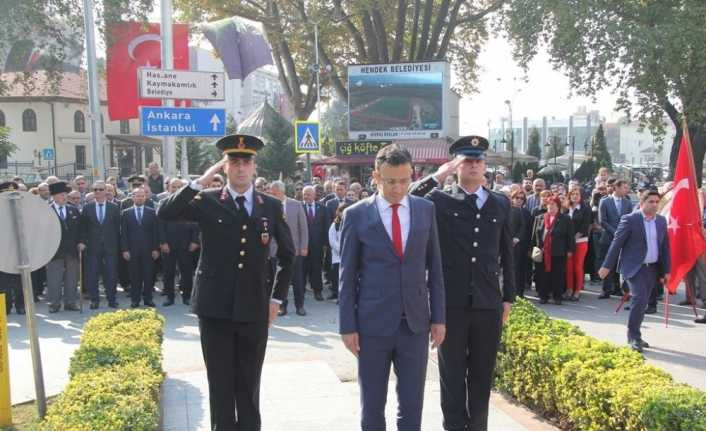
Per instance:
{"type": "Point", "coordinates": [423, 151]}
{"type": "Point", "coordinates": [142, 141]}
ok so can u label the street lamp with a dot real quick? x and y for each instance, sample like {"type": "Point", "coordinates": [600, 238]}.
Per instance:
{"type": "Point", "coordinates": [512, 137]}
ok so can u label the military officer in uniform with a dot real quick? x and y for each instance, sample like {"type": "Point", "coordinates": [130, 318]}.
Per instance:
{"type": "Point", "coordinates": [11, 284]}
{"type": "Point", "coordinates": [476, 244]}
{"type": "Point", "coordinates": [231, 297]}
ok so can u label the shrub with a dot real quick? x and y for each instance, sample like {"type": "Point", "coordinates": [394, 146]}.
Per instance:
{"type": "Point", "coordinates": [115, 376]}
{"type": "Point", "coordinates": [588, 384]}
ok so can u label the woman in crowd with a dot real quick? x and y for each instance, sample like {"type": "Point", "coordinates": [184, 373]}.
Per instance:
{"type": "Point", "coordinates": [522, 226]}
{"type": "Point", "coordinates": [580, 215]}
{"type": "Point", "coordinates": [555, 237]}
{"type": "Point", "coordinates": [334, 239]}
{"type": "Point", "coordinates": [537, 217]}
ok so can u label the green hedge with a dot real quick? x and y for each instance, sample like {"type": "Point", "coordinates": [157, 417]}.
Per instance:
{"type": "Point", "coordinates": [115, 375]}
{"type": "Point", "coordinates": [587, 384]}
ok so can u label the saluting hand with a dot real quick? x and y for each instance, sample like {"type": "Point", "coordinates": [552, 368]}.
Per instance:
{"type": "Point", "coordinates": [447, 169]}
{"type": "Point", "coordinates": [438, 334]}
{"type": "Point", "coordinates": [211, 172]}
{"type": "Point", "coordinates": [352, 342]}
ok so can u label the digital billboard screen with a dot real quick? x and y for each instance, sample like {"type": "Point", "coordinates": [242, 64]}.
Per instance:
{"type": "Point", "coordinates": [396, 100]}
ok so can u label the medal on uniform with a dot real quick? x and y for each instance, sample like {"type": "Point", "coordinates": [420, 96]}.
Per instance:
{"type": "Point", "coordinates": [264, 236]}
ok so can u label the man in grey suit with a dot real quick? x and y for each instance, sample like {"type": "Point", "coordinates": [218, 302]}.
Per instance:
{"type": "Point", "coordinates": [643, 246]}
{"type": "Point", "coordinates": [391, 291]}
{"type": "Point", "coordinates": [295, 218]}
{"type": "Point", "coordinates": [610, 209]}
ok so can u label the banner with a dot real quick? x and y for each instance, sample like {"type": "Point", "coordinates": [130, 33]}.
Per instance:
{"type": "Point", "coordinates": [136, 45]}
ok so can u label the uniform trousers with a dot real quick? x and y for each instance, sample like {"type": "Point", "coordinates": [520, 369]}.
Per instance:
{"type": "Point", "coordinates": [466, 364]}
{"type": "Point", "coordinates": [575, 268]}
{"type": "Point", "coordinates": [233, 353]}
{"type": "Point", "coordinates": [641, 286]}
{"type": "Point", "coordinates": [62, 280]}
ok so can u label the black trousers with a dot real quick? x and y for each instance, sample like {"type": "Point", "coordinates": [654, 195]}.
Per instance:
{"type": "Point", "coordinates": [521, 268]}
{"type": "Point", "coordinates": [466, 364]}
{"type": "Point", "coordinates": [298, 283]}
{"type": "Point", "coordinates": [233, 353]}
{"type": "Point", "coordinates": [333, 276]}
{"type": "Point", "coordinates": [611, 283]}
{"type": "Point", "coordinates": [141, 269]}
{"type": "Point", "coordinates": [185, 260]}
{"type": "Point", "coordinates": [11, 286]}
{"type": "Point", "coordinates": [312, 267]}
{"type": "Point", "coordinates": [553, 283]}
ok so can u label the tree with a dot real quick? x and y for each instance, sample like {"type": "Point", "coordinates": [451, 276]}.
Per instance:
{"type": "Point", "coordinates": [6, 146]}
{"type": "Point", "coordinates": [556, 148]}
{"type": "Point", "coordinates": [648, 51]}
{"type": "Point", "coordinates": [533, 147]}
{"type": "Point", "coordinates": [334, 126]}
{"type": "Point", "coordinates": [278, 156]}
{"type": "Point", "coordinates": [200, 153]}
{"type": "Point", "coordinates": [599, 150]}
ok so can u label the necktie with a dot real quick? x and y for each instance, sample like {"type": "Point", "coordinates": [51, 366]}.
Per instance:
{"type": "Point", "coordinates": [139, 215]}
{"type": "Point", "coordinates": [310, 213]}
{"type": "Point", "coordinates": [618, 205]}
{"type": "Point", "coordinates": [473, 200]}
{"type": "Point", "coordinates": [396, 230]}
{"type": "Point", "coordinates": [240, 200]}
{"type": "Point", "coordinates": [61, 213]}
{"type": "Point", "coordinates": [101, 215]}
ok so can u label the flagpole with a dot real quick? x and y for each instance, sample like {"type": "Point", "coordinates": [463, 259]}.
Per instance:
{"type": "Point", "coordinates": [93, 97]}
{"type": "Point", "coordinates": [169, 142]}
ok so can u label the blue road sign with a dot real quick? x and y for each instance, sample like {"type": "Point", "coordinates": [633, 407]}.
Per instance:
{"type": "Point", "coordinates": [306, 137]}
{"type": "Point", "coordinates": [48, 154]}
{"type": "Point", "coordinates": [162, 121]}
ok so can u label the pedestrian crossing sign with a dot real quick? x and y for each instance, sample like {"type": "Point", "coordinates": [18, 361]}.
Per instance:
{"type": "Point", "coordinates": [306, 137]}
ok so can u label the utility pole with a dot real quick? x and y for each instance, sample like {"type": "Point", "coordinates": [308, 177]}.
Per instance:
{"type": "Point", "coordinates": [93, 97]}
{"type": "Point", "coordinates": [512, 138]}
{"type": "Point", "coordinates": [169, 142]}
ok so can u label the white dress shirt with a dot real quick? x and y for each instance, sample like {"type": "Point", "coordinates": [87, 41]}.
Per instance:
{"type": "Point", "coordinates": [480, 192]}
{"type": "Point", "coordinates": [98, 211]}
{"type": "Point", "coordinates": [652, 254]}
{"type": "Point", "coordinates": [618, 204]}
{"type": "Point", "coordinates": [248, 197]}
{"type": "Point", "coordinates": [58, 208]}
{"type": "Point", "coordinates": [385, 211]}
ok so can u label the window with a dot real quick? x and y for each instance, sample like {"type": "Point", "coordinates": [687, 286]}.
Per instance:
{"type": "Point", "coordinates": [29, 121]}
{"type": "Point", "coordinates": [79, 122]}
{"type": "Point", "coordinates": [148, 155]}
{"type": "Point", "coordinates": [80, 157]}
{"type": "Point", "coordinates": [2, 119]}
{"type": "Point", "coordinates": [124, 127]}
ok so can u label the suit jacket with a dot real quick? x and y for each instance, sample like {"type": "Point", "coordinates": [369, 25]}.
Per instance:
{"type": "Point", "coordinates": [296, 220]}
{"type": "Point", "coordinates": [532, 202]}
{"type": "Point", "coordinates": [318, 228]}
{"type": "Point", "coordinates": [563, 240]}
{"type": "Point", "coordinates": [630, 243]}
{"type": "Point", "coordinates": [178, 234]}
{"type": "Point", "coordinates": [332, 205]}
{"type": "Point", "coordinates": [609, 217]}
{"type": "Point", "coordinates": [231, 278]}
{"type": "Point", "coordinates": [376, 287]}
{"type": "Point", "coordinates": [471, 243]}
{"type": "Point", "coordinates": [139, 238]}
{"type": "Point", "coordinates": [70, 232]}
{"type": "Point", "coordinates": [128, 202]}
{"type": "Point", "coordinates": [100, 237]}
{"type": "Point", "coordinates": [581, 219]}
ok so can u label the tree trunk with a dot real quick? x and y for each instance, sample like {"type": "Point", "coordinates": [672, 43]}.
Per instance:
{"type": "Point", "coordinates": [415, 30]}
{"type": "Point", "coordinates": [399, 30]}
{"type": "Point", "coordinates": [697, 134]}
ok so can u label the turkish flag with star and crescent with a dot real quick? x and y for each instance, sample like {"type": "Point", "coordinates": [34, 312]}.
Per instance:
{"type": "Point", "coordinates": [133, 45]}
{"type": "Point", "coordinates": [684, 217]}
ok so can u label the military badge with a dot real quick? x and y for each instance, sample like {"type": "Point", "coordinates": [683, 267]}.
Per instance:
{"type": "Point", "coordinates": [241, 143]}
{"type": "Point", "coordinates": [475, 142]}
{"type": "Point", "coordinates": [265, 235]}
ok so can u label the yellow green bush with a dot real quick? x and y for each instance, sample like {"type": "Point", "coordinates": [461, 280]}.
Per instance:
{"type": "Point", "coordinates": [115, 375]}
{"type": "Point", "coordinates": [587, 384]}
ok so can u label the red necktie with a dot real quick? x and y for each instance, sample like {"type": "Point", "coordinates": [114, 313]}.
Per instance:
{"type": "Point", "coordinates": [396, 231]}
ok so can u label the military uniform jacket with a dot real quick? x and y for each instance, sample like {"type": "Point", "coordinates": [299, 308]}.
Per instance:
{"type": "Point", "coordinates": [231, 278]}
{"type": "Point", "coordinates": [474, 245]}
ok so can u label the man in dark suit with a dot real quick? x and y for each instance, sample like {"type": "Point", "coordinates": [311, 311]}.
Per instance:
{"type": "Point", "coordinates": [100, 238]}
{"type": "Point", "coordinates": [139, 242]}
{"type": "Point", "coordinates": [318, 223]}
{"type": "Point", "coordinates": [474, 230]}
{"type": "Point", "coordinates": [642, 244]}
{"type": "Point", "coordinates": [62, 270]}
{"type": "Point", "coordinates": [391, 291]}
{"type": "Point", "coordinates": [231, 296]}
{"type": "Point", "coordinates": [610, 209]}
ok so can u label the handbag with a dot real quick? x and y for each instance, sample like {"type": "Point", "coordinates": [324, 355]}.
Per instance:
{"type": "Point", "coordinates": [536, 254]}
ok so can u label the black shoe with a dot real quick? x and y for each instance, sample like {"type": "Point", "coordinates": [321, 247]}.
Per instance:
{"type": "Point", "coordinates": [94, 305]}
{"type": "Point", "coordinates": [604, 295]}
{"type": "Point", "coordinates": [318, 296]}
{"type": "Point", "coordinates": [651, 310]}
{"type": "Point", "coordinates": [70, 307]}
{"type": "Point", "coordinates": [282, 311]}
{"type": "Point", "coordinates": [635, 345]}
{"type": "Point", "coordinates": [149, 304]}
{"type": "Point", "coordinates": [186, 301]}
{"type": "Point", "coordinates": [701, 320]}
{"type": "Point", "coordinates": [134, 304]}
{"type": "Point", "coordinates": [644, 344]}
{"type": "Point", "coordinates": [168, 302]}
{"type": "Point", "coordinates": [113, 305]}
{"type": "Point", "coordinates": [21, 311]}
{"type": "Point", "coordinates": [54, 308]}
{"type": "Point", "coordinates": [627, 307]}
{"type": "Point", "coordinates": [332, 296]}
{"type": "Point", "coordinates": [543, 301]}
{"type": "Point", "coordinates": [301, 311]}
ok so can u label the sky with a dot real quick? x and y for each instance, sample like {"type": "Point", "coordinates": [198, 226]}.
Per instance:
{"type": "Point", "coordinates": [546, 93]}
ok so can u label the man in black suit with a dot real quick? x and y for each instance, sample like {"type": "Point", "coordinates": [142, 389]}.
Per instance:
{"type": "Point", "coordinates": [232, 298]}
{"type": "Point", "coordinates": [610, 210]}
{"type": "Point", "coordinates": [474, 231]}
{"type": "Point", "coordinates": [139, 242]}
{"type": "Point", "coordinates": [179, 241]}
{"type": "Point", "coordinates": [62, 270]}
{"type": "Point", "coordinates": [100, 238]}
{"type": "Point", "coordinates": [318, 223]}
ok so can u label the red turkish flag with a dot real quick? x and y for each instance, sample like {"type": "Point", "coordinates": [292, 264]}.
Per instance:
{"type": "Point", "coordinates": [136, 45]}
{"type": "Point", "coordinates": [684, 219]}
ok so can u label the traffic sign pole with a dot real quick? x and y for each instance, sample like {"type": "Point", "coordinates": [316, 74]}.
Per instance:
{"type": "Point", "coordinates": [169, 144]}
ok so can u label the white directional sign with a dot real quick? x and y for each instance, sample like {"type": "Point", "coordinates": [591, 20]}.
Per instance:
{"type": "Point", "coordinates": [180, 84]}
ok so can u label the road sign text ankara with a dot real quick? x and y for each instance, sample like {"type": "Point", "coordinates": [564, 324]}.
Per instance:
{"type": "Point", "coordinates": [163, 121]}
{"type": "Point", "coordinates": [180, 84]}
